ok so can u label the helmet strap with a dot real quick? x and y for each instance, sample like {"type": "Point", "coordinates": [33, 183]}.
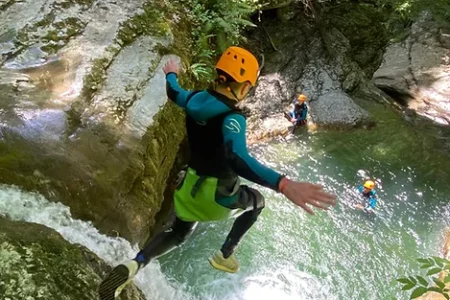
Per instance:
{"type": "Point", "coordinates": [223, 80]}
{"type": "Point", "coordinates": [232, 92]}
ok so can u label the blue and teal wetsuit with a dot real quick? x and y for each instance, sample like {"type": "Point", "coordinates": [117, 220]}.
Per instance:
{"type": "Point", "coordinates": [204, 106]}
{"type": "Point", "coordinates": [299, 112]}
{"type": "Point", "coordinates": [211, 189]}
{"type": "Point", "coordinates": [370, 196]}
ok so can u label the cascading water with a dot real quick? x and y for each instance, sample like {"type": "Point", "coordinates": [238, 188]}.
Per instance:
{"type": "Point", "coordinates": [339, 254]}
{"type": "Point", "coordinates": [18, 205]}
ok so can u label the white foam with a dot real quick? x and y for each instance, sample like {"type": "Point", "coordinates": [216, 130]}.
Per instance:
{"type": "Point", "coordinates": [32, 207]}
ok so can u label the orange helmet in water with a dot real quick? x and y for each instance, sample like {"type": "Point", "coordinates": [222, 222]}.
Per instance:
{"type": "Point", "coordinates": [239, 64]}
{"type": "Point", "coordinates": [369, 184]}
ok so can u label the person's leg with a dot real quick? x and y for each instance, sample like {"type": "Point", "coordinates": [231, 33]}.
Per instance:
{"type": "Point", "coordinates": [253, 202]}
{"type": "Point", "coordinates": [162, 243]}
{"type": "Point", "coordinates": [165, 241]}
{"type": "Point", "coordinates": [287, 116]}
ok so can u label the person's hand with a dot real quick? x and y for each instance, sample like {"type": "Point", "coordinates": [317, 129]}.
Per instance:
{"type": "Point", "coordinates": [293, 120]}
{"type": "Point", "coordinates": [171, 67]}
{"type": "Point", "coordinates": [303, 193]}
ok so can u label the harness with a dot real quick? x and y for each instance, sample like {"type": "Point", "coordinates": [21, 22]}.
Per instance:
{"type": "Point", "coordinates": [209, 155]}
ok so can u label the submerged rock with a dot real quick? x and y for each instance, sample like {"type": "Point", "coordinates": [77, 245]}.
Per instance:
{"type": "Point", "coordinates": [37, 263]}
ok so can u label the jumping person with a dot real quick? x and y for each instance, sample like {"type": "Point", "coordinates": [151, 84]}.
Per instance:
{"type": "Point", "coordinates": [211, 188]}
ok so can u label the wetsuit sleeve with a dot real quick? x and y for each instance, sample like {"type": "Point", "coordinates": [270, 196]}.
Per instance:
{"type": "Point", "coordinates": [360, 188]}
{"type": "Point", "coordinates": [292, 114]}
{"type": "Point", "coordinates": [234, 129]}
{"type": "Point", "coordinates": [175, 92]}
{"type": "Point", "coordinates": [372, 202]}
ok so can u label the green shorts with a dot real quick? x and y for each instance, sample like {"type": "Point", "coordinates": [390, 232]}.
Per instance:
{"type": "Point", "coordinates": [203, 199]}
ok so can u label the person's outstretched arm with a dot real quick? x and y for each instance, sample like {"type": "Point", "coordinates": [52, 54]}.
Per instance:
{"type": "Point", "coordinates": [300, 193]}
{"type": "Point", "coordinates": [233, 129]}
{"type": "Point", "coordinates": [174, 91]}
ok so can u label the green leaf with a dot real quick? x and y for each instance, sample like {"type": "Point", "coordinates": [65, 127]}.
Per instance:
{"type": "Point", "coordinates": [418, 292]}
{"type": "Point", "coordinates": [446, 296]}
{"type": "Point", "coordinates": [439, 283]}
{"type": "Point", "coordinates": [439, 261]}
{"type": "Point", "coordinates": [434, 289]}
{"type": "Point", "coordinates": [408, 286]}
{"type": "Point", "coordinates": [434, 271]}
{"type": "Point", "coordinates": [404, 280]}
{"type": "Point", "coordinates": [422, 260]}
{"type": "Point", "coordinates": [413, 280]}
{"type": "Point", "coordinates": [422, 281]}
{"type": "Point", "coordinates": [426, 266]}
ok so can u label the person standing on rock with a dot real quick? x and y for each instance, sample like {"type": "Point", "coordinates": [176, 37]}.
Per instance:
{"type": "Point", "coordinates": [299, 113]}
{"type": "Point", "coordinates": [211, 189]}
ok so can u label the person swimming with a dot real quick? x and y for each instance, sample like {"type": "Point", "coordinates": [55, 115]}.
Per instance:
{"type": "Point", "coordinates": [368, 191]}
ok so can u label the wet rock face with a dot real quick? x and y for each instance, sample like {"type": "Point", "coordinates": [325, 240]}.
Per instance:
{"type": "Point", "coordinates": [417, 71]}
{"type": "Point", "coordinates": [37, 263]}
{"type": "Point", "coordinates": [84, 117]}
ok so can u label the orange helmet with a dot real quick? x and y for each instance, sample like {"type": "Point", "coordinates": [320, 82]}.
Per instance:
{"type": "Point", "coordinates": [301, 98]}
{"type": "Point", "coordinates": [240, 64]}
{"type": "Point", "coordinates": [369, 184]}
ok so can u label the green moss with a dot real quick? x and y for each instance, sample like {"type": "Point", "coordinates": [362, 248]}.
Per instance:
{"type": "Point", "coordinates": [82, 2]}
{"type": "Point", "coordinates": [36, 263]}
{"type": "Point", "coordinates": [46, 21]}
{"type": "Point", "coordinates": [364, 26]}
{"type": "Point", "coordinates": [154, 65]}
{"type": "Point", "coordinates": [69, 3]}
{"type": "Point", "coordinates": [93, 80]}
{"type": "Point", "coordinates": [166, 132]}
{"type": "Point", "coordinates": [151, 22]}
{"type": "Point", "coordinates": [121, 109]}
{"type": "Point", "coordinates": [61, 31]}
{"type": "Point", "coordinates": [6, 4]}
{"type": "Point", "coordinates": [23, 35]}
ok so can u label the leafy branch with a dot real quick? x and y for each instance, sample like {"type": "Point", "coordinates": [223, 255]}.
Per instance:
{"type": "Point", "coordinates": [421, 285]}
{"type": "Point", "coordinates": [216, 26]}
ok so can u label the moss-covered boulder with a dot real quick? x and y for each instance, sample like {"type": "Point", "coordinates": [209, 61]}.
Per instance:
{"type": "Point", "coordinates": [363, 24]}
{"type": "Point", "coordinates": [84, 113]}
{"type": "Point", "coordinates": [37, 263]}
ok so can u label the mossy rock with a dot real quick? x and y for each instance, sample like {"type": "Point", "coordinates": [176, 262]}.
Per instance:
{"type": "Point", "coordinates": [37, 263]}
{"type": "Point", "coordinates": [364, 26]}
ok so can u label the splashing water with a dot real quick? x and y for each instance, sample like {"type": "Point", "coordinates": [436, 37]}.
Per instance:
{"type": "Point", "coordinates": [32, 207]}
{"type": "Point", "coordinates": [339, 254]}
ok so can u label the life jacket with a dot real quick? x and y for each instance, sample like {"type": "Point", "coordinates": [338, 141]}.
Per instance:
{"type": "Point", "coordinates": [208, 151]}
{"type": "Point", "coordinates": [195, 200]}
{"type": "Point", "coordinates": [369, 194]}
{"type": "Point", "coordinates": [298, 109]}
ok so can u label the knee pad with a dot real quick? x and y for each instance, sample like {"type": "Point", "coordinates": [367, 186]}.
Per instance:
{"type": "Point", "coordinates": [258, 201]}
